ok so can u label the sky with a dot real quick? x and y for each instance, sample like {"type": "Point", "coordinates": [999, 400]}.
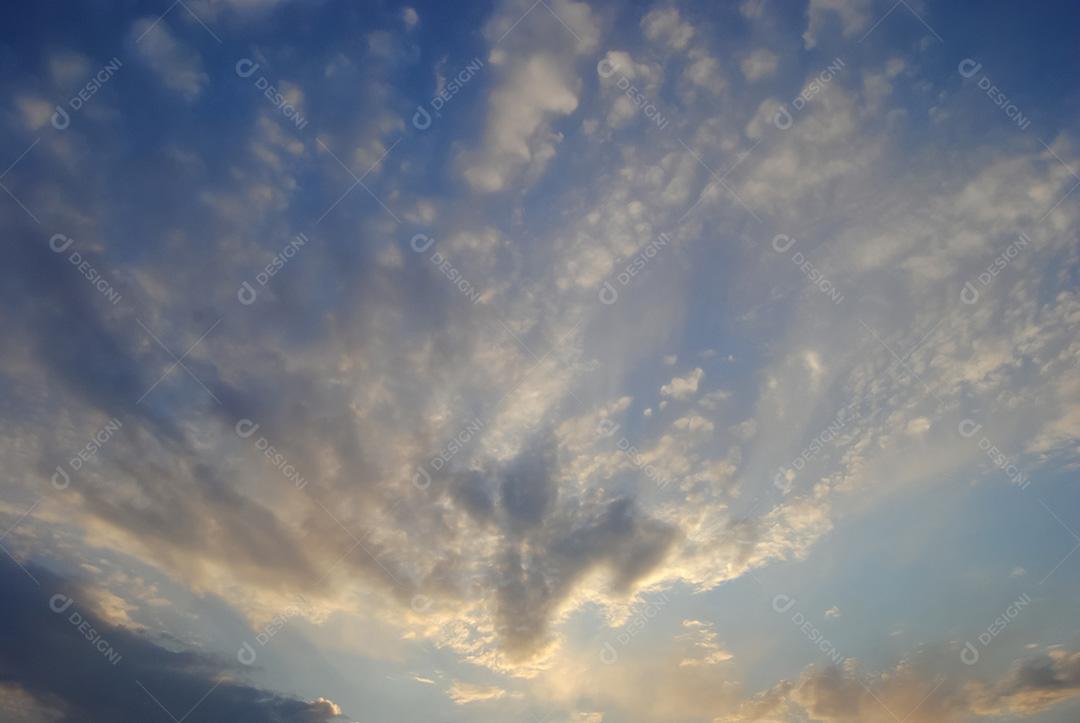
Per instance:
{"type": "Point", "coordinates": [550, 361]}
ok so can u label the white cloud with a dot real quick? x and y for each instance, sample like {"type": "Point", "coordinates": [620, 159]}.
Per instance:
{"type": "Point", "coordinates": [465, 693]}
{"type": "Point", "coordinates": [665, 27]}
{"type": "Point", "coordinates": [35, 112]}
{"type": "Point", "coordinates": [683, 387]}
{"type": "Point", "coordinates": [705, 644]}
{"type": "Point", "coordinates": [759, 64]}
{"type": "Point", "coordinates": [517, 136]}
{"type": "Point", "coordinates": [178, 66]}
{"type": "Point", "coordinates": [703, 72]}
{"type": "Point", "coordinates": [854, 16]}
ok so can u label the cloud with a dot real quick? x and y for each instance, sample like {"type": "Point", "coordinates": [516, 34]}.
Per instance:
{"type": "Point", "coordinates": [53, 657]}
{"type": "Point", "coordinates": [35, 112]}
{"type": "Point", "coordinates": [535, 91]}
{"type": "Point", "coordinates": [178, 66]}
{"type": "Point", "coordinates": [706, 648]}
{"type": "Point", "coordinates": [537, 573]}
{"type": "Point", "coordinates": [68, 68]}
{"type": "Point", "coordinates": [1033, 685]}
{"type": "Point", "coordinates": [917, 690]}
{"type": "Point", "coordinates": [683, 387]}
{"type": "Point", "coordinates": [646, 77]}
{"type": "Point", "coordinates": [703, 71]}
{"type": "Point", "coordinates": [537, 84]}
{"type": "Point", "coordinates": [759, 64]}
{"type": "Point", "coordinates": [464, 693]}
{"type": "Point", "coordinates": [854, 16]}
{"type": "Point", "coordinates": [666, 27]}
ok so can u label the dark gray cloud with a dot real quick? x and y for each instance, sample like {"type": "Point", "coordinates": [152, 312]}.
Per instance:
{"type": "Point", "coordinates": [562, 541]}
{"type": "Point", "coordinates": [528, 489]}
{"type": "Point", "coordinates": [52, 659]}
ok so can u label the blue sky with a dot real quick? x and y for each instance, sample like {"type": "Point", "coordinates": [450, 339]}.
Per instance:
{"type": "Point", "coordinates": [544, 360]}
